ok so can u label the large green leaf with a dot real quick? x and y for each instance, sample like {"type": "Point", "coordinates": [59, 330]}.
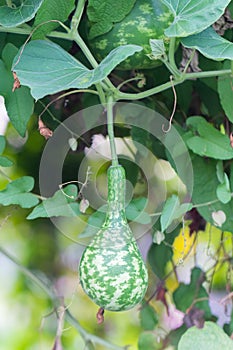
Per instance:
{"type": "Point", "coordinates": [16, 192]}
{"type": "Point", "coordinates": [210, 142]}
{"type": "Point", "coordinates": [103, 14]}
{"type": "Point", "coordinates": [158, 256]}
{"type": "Point", "coordinates": [192, 16]}
{"type": "Point", "coordinates": [51, 10]}
{"type": "Point", "coordinates": [210, 337]}
{"type": "Point", "coordinates": [225, 91]}
{"type": "Point", "coordinates": [61, 204]}
{"type": "Point", "coordinates": [20, 12]}
{"type": "Point", "coordinates": [185, 294]}
{"type": "Point", "coordinates": [210, 44]}
{"type": "Point", "coordinates": [46, 68]}
{"type": "Point", "coordinates": [5, 162]}
{"type": "Point", "coordinates": [204, 191]}
{"type": "Point", "coordinates": [19, 104]}
{"type": "Point", "coordinates": [148, 317]}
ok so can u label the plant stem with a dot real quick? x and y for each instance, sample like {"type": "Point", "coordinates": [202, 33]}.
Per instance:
{"type": "Point", "coordinates": [171, 58]}
{"type": "Point", "coordinates": [137, 96]}
{"type": "Point", "coordinates": [207, 74]}
{"type": "Point", "coordinates": [197, 75]}
{"type": "Point", "coordinates": [77, 15]}
{"type": "Point", "coordinates": [110, 105]}
{"type": "Point", "coordinates": [27, 31]}
{"type": "Point", "coordinates": [5, 175]}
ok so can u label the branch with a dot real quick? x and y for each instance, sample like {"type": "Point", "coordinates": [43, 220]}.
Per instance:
{"type": "Point", "coordinates": [187, 76]}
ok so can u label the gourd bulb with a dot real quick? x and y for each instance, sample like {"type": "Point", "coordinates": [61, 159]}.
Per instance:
{"type": "Point", "coordinates": [112, 272]}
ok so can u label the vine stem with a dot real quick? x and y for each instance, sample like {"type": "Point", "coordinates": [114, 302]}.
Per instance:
{"type": "Point", "coordinates": [188, 76]}
{"type": "Point", "coordinates": [199, 205]}
{"type": "Point", "coordinates": [110, 127]}
{"type": "Point", "coordinates": [77, 15]}
{"type": "Point", "coordinates": [27, 31]}
{"type": "Point", "coordinates": [171, 57]}
{"type": "Point", "coordinates": [56, 303]}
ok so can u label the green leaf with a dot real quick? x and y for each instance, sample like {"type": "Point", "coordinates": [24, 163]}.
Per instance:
{"type": "Point", "coordinates": [19, 104]}
{"type": "Point", "coordinates": [192, 16]}
{"type": "Point", "coordinates": [148, 317]}
{"type": "Point", "coordinates": [210, 337]}
{"type": "Point", "coordinates": [5, 162]}
{"type": "Point", "coordinates": [169, 209]}
{"type": "Point", "coordinates": [210, 142]}
{"type": "Point", "coordinates": [183, 208]}
{"type": "Point", "coordinates": [220, 171]}
{"type": "Point", "coordinates": [20, 12]}
{"type": "Point", "coordinates": [229, 326]}
{"type": "Point", "coordinates": [61, 204]}
{"type": "Point", "coordinates": [185, 294]}
{"type": "Point", "coordinates": [103, 14]}
{"type": "Point", "coordinates": [225, 91]}
{"type": "Point", "coordinates": [148, 341]}
{"type": "Point", "coordinates": [51, 10]}
{"type": "Point", "coordinates": [223, 190]}
{"type": "Point", "coordinates": [157, 49]}
{"type": "Point", "coordinates": [134, 211]}
{"type": "Point", "coordinates": [94, 223]}
{"type": "Point", "coordinates": [36, 68]}
{"type": "Point", "coordinates": [210, 44]}
{"type": "Point", "coordinates": [158, 256]}
{"type": "Point", "coordinates": [204, 191]}
{"type": "Point", "coordinates": [16, 192]}
{"type": "Point", "coordinates": [2, 144]}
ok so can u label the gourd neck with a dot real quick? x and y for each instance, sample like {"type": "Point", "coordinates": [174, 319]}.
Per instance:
{"type": "Point", "coordinates": [116, 189]}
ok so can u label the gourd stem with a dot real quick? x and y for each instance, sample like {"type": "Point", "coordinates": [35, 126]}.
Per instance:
{"type": "Point", "coordinates": [171, 58]}
{"type": "Point", "coordinates": [110, 128]}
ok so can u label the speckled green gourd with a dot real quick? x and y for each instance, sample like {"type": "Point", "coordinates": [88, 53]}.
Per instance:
{"type": "Point", "coordinates": [112, 272]}
{"type": "Point", "coordinates": [147, 20]}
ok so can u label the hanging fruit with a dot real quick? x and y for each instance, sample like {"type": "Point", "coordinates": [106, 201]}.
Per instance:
{"type": "Point", "coordinates": [112, 272]}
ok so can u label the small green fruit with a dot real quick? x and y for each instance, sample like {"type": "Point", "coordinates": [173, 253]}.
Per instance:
{"type": "Point", "coordinates": [112, 272]}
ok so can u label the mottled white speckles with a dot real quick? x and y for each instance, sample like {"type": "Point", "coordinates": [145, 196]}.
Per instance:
{"type": "Point", "coordinates": [123, 278]}
{"type": "Point", "coordinates": [119, 259]}
{"type": "Point", "coordinates": [102, 44]}
{"type": "Point", "coordinates": [146, 8]}
{"type": "Point", "coordinates": [138, 289]}
{"type": "Point", "coordinates": [98, 260]}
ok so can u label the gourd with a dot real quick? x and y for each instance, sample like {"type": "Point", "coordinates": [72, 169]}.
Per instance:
{"type": "Point", "coordinates": [112, 272]}
{"type": "Point", "coordinates": [147, 20]}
